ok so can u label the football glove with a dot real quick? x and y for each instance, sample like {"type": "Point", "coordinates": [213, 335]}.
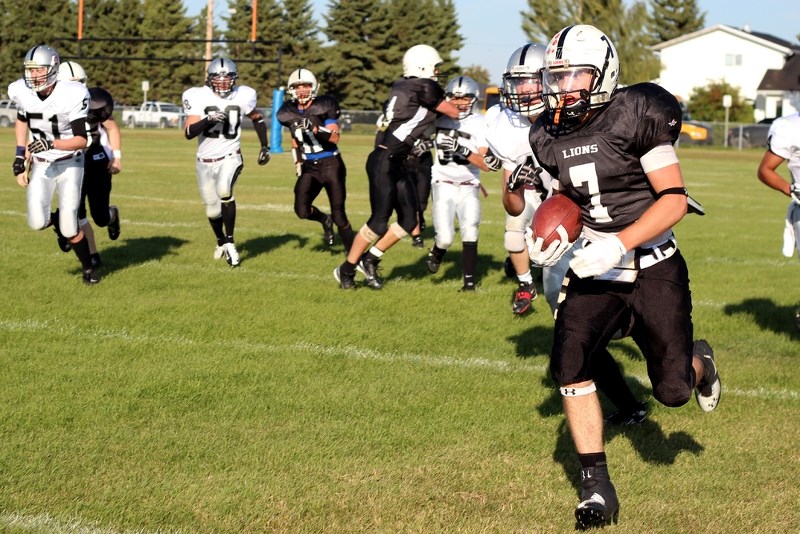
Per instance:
{"type": "Point", "coordinates": [263, 156]}
{"type": "Point", "coordinates": [301, 124]}
{"type": "Point", "coordinates": [549, 256]}
{"type": "Point", "coordinates": [794, 190]}
{"type": "Point", "coordinates": [19, 165]}
{"type": "Point", "coordinates": [449, 143]}
{"type": "Point", "coordinates": [40, 145]}
{"type": "Point", "coordinates": [525, 174]}
{"type": "Point", "coordinates": [421, 146]}
{"type": "Point", "coordinates": [598, 257]}
{"type": "Point", "coordinates": [217, 116]}
{"type": "Point", "coordinates": [492, 161]}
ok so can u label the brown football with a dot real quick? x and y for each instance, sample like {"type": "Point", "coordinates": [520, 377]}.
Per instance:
{"type": "Point", "coordinates": [558, 210]}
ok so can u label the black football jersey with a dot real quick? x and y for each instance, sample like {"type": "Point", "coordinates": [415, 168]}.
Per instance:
{"type": "Point", "coordinates": [410, 110]}
{"type": "Point", "coordinates": [101, 107]}
{"type": "Point", "coordinates": [597, 164]}
{"type": "Point", "coordinates": [323, 108]}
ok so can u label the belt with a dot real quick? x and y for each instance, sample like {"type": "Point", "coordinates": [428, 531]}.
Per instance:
{"type": "Point", "coordinates": [63, 158]}
{"type": "Point", "coordinates": [647, 257]}
{"type": "Point", "coordinates": [473, 184]}
{"type": "Point", "coordinates": [214, 160]}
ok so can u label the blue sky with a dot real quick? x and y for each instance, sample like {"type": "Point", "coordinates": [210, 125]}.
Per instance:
{"type": "Point", "coordinates": [491, 29]}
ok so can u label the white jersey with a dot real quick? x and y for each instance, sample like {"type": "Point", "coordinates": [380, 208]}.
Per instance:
{"type": "Point", "coordinates": [471, 133]}
{"type": "Point", "coordinates": [223, 138]}
{"type": "Point", "coordinates": [51, 118]}
{"type": "Point", "coordinates": [784, 141]}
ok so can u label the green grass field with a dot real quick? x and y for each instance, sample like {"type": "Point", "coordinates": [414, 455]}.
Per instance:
{"type": "Point", "coordinates": [180, 395]}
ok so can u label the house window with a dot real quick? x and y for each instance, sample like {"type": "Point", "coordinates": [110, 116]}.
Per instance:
{"type": "Point", "coordinates": [733, 60]}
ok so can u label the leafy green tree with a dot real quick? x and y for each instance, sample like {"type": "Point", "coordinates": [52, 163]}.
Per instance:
{"type": "Point", "coordinates": [478, 73]}
{"type": "Point", "coordinates": [705, 103]}
{"type": "Point", "coordinates": [301, 39]}
{"type": "Point", "coordinates": [673, 18]}
{"type": "Point", "coordinates": [443, 29]}
{"type": "Point", "coordinates": [257, 63]}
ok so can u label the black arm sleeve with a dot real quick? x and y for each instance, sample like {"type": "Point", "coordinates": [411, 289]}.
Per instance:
{"type": "Point", "coordinates": [78, 128]}
{"type": "Point", "coordinates": [197, 128]}
{"type": "Point", "coordinates": [261, 131]}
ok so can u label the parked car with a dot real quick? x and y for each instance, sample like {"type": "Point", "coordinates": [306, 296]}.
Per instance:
{"type": "Point", "coordinates": [8, 113]}
{"type": "Point", "coordinates": [749, 135]}
{"type": "Point", "coordinates": [154, 114]}
{"type": "Point", "coordinates": [695, 133]}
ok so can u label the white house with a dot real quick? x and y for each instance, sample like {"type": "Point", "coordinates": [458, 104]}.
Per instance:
{"type": "Point", "coordinates": [738, 56]}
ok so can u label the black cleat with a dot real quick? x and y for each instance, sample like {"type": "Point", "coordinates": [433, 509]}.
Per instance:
{"type": "Point", "coordinates": [113, 226]}
{"type": "Point", "coordinates": [90, 277]}
{"type": "Point", "coordinates": [630, 416]}
{"type": "Point", "coordinates": [709, 390]}
{"type": "Point", "coordinates": [467, 287]}
{"type": "Point", "coordinates": [434, 261]}
{"type": "Point", "coordinates": [599, 505]}
{"type": "Point", "coordinates": [327, 230]}
{"type": "Point", "coordinates": [417, 242]}
{"type": "Point", "coordinates": [370, 268]}
{"type": "Point", "coordinates": [345, 282]}
{"type": "Point", "coordinates": [63, 242]}
{"type": "Point", "coordinates": [523, 296]}
{"type": "Point", "coordinates": [95, 259]}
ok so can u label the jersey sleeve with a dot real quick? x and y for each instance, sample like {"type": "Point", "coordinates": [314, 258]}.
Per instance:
{"type": "Point", "coordinates": [191, 105]}
{"type": "Point", "coordinates": [430, 94]}
{"type": "Point", "coordinates": [248, 99]}
{"type": "Point", "coordinates": [285, 115]}
{"type": "Point", "coordinates": [331, 109]}
{"type": "Point", "coordinates": [782, 138]}
{"type": "Point", "coordinates": [79, 104]}
{"type": "Point", "coordinates": [658, 116]}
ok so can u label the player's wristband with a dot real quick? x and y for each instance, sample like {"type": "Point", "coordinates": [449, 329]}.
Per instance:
{"type": "Point", "coordinates": [117, 154]}
{"type": "Point", "coordinates": [21, 151]}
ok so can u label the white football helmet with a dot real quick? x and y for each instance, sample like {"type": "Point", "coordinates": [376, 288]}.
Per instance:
{"type": "Point", "coordinates": [299, 78]}
{"type": "Point", "coordinates": [522, 80]}
{"type": "Point", "coordinates": [221, 76]}
{"type": "Point", "coordinates": [463, 87]}
{"type": "Point", "coordinates": [71, 71]}
{"type": "Point", "coordinates": [421, 61]}
{"type": "Point", "coordinates": [581, 71]}
{"type": "Point", "coordinates": [38, 57]}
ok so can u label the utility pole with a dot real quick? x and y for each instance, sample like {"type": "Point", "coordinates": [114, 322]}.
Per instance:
{"type": "Point", "coordinates": [209, 31]}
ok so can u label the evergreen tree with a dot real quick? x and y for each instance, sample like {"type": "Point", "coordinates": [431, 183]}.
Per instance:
{"type": "Point", "coordinates": [444, 29]}
{"type": "Point", "coordinates": [257, 61]}
{"type": "Point", "coordinates": [478, 73]}
{"type": "Point", "coordinates": [673, 18]}
{"type": "Point", "coordinates": [301, 39]}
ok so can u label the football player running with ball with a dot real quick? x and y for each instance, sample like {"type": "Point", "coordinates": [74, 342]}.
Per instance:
{"type": "Point", "coordinates": [314, 124]}
{"type": "Point", "coordinates": [611, 151]}
{"type": "Point", "coordinates": [214, 115]}
{"type": "Point", "coordinates": [55, 114]}
{"type": "Point", "coordinates": [455, 177]}
{"type": "Point", "coordinates": [414, 103]}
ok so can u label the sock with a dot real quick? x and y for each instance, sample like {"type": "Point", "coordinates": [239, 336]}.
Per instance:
{"type": "Point", "coordinates": [592, 459]}
{"type": "Point", "coordinates": [347, 236]}
{"type": "Point", "coordinates": [81, 249]}
{"type": "Point", "coordinates": [376, 254]}
{"type": "Point", "coordinates": [317, 215]}
{"type": "Point", "coordinates": [216, 225]}
{"type": "Point", "coordinates": [526, 278]}
{"type": "Point", "coordinates": [347, 268]}
{"type": "Point", "coordinates": [469, 259]}
{"type": "Point", "coordinates": [229, 216]}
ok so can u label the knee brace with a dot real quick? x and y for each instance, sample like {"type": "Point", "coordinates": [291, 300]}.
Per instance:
{"type": "Point", "coordinates": [367, 234]}
{"type": "Point", "coordinates": [578, 392]}
{"type": "Point", "coordinates": [397, 230]}
{"type": "Point", "coordinates": [514, 241]}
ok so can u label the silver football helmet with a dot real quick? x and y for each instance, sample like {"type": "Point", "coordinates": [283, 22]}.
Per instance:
{"type": "Point", "coordinates": [421, 61]}
{"type": "Point", "coordinates": [298, 80]}
{"type": "Point", "coordinates": [581, 71]}
{"type": "Point", "coordinates": [522, 80]}
{"type": "Point", "coordinates": [463, 87]}
{"type": "Point", "coordinates": [37, 58]}
{"type": "Point", "coordinates": [71, 71]}
{"type": "Point", "coordinates": [221, 76]}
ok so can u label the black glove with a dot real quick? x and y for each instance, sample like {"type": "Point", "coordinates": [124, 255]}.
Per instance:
{"type": "Point", "coordinates": [492, 161]}
{"type": "Point", "coordinates": [794, 189]}
{"type": "Point", "coordinates": [39, 145]}
{"type": "Point", "coordinates": [263, 156]}
{"type": "Point", "coordinates": [421, 146]}
{"type": "Point", "coordinates": [525, 174]}
{"type": "Point", "coordinates": [217, 116]}
{"type": "Point", "coordinates": [19, 165]}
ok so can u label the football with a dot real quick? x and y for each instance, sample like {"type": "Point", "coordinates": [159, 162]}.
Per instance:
{"type": "Point", "coordinates": [558, 210]}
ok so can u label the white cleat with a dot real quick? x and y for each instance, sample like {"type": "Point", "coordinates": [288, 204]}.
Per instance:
{"type": "Point", "coordinates": [231, 254]}
{"type": "Point", "coordinates": [709, 390]}
{"type": "Point", "coordinates": [219, 252]}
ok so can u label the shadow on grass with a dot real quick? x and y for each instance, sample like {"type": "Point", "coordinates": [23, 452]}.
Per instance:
{"type": "Point", "coordinates": [767, 315]}
{"type": "Point", "coordinates": [135, 251]}
{"type": "Point", "coordinates": [450, 269]}
{"type": "Point", "coordinates": [268, 243]}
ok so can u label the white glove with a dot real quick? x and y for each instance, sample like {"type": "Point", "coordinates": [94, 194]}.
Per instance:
{"type": "Point", "coordinates": [450, 143]}
{"type": "Point", "coordinates": [217, 116]}
{"type": "Point", "coordinates": [598, 257]}
{"type": "Point", "coordinates": [549, 256]}
{"type": "Point", "coordinates": [794, 190]}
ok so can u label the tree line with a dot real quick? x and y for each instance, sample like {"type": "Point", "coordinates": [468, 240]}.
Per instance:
{"type": "Point", "coordinates": [356, 52]}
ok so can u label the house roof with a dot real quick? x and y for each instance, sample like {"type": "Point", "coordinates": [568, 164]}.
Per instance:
{"type": "Point", "coordinates": [766, 40]}
{"type": "Point", "coordinates": [785, 79]}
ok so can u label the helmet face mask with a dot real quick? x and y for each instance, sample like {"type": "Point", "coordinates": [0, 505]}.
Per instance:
{"type": "Point", "coordinates": [41, 68]}
{"type": "Point", "coordinates": [421, 61]}
{"type": "Point", "coordinates": [463, 92]}
{"type": "Point", "coordinates": [522, 85]}
{"type": "Point", "coordinates": [302, 86]}
{"type": "Point", "coordinates": [71, 71]}
{"type": "Point", "coordinates": [221, 76]}
{"type": "Point", "coordinates": [581, 72]}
